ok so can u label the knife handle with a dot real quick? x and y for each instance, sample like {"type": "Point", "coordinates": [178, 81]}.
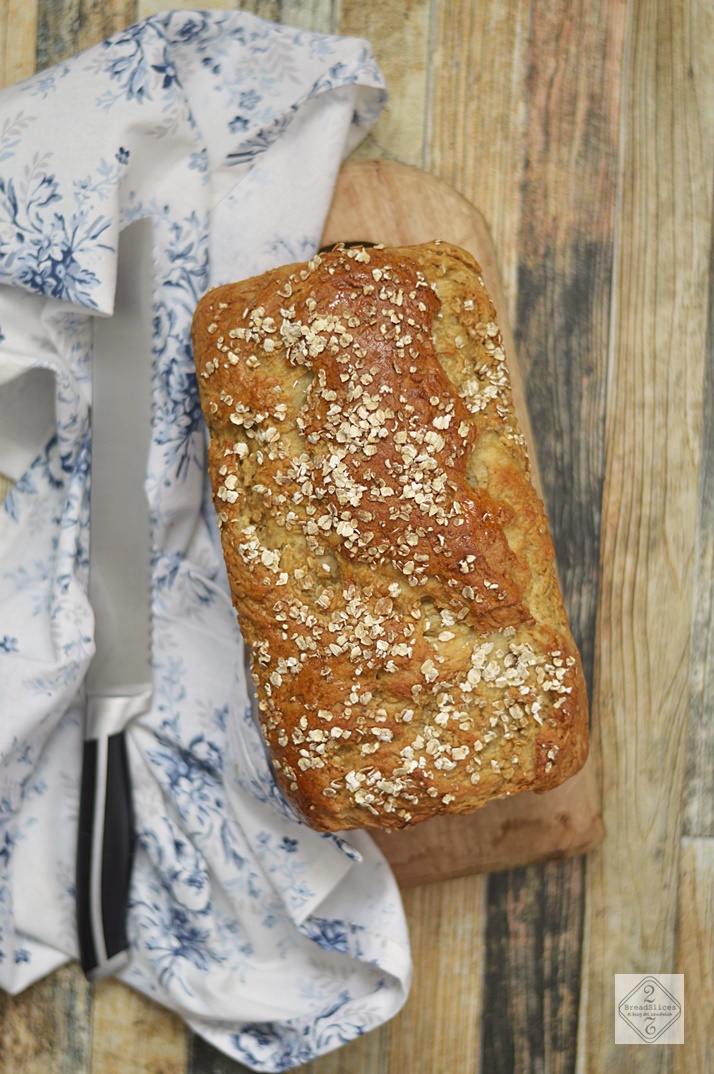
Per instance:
{"type": "Point", "coordinates": [104, 855]}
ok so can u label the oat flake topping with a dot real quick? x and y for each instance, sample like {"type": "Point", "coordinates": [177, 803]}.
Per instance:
{"type": "Point", "coordinates": [389, 559]}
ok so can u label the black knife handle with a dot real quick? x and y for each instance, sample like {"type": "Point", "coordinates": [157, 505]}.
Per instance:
{"type": "Point", "coordinates": [104, 856]}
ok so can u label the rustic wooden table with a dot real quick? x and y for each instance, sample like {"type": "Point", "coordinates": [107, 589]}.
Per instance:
{"type": "Point", "coordinates": [584, 131]}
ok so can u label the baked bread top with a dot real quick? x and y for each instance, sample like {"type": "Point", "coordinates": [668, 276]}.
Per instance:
{"type": "Point", "coordinates": [389, 559]}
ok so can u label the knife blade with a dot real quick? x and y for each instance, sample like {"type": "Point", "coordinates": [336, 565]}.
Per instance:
{"type": "Point", "coordinates": [119, 679]}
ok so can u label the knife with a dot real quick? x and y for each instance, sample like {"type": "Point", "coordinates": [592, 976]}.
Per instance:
{"type": "Point", "coordinates": [119, 680]}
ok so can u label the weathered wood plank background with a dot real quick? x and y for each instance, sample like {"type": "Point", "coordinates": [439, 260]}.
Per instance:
{"type": "Point", "coordinates": [584, 131]}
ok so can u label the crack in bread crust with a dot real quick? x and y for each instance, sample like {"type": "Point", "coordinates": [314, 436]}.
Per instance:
{"type": "Point", "coordinates": [389, 559]}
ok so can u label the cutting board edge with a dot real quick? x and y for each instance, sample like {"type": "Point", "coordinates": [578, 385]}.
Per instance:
{"type": "Point", "coordinates": [410, 876]}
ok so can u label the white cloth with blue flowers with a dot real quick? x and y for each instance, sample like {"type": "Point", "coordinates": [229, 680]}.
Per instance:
{"type": "Point", "coordinates": [274, 942]}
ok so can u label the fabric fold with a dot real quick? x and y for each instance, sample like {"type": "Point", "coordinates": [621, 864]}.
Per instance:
{"type": "Point", "coordinates": [273, 941]}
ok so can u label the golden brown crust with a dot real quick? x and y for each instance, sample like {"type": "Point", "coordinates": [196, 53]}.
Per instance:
{"type": "Point", "coordinates": [389, 559]}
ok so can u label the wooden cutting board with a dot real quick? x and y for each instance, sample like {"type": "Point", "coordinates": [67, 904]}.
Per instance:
{"type": "Point", "coordinates": [385, 202]}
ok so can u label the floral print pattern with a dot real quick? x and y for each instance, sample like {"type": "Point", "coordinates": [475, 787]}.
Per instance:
{"type": "Point", "coordinates": [275, 942]}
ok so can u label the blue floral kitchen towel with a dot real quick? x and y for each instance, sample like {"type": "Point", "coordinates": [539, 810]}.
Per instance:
{"type": "Point", "coordinates": [272, 941]}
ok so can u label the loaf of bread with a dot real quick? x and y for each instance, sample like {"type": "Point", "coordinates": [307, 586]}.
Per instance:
{"type": "Point", "coordinates": [389, 559]}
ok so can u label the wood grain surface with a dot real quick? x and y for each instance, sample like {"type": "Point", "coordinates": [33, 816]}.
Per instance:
{"type": "Point", "coordinates": [583, 130]}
